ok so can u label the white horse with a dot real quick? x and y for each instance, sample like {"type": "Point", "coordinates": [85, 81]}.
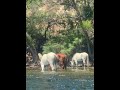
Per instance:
{"type": "Point", "coordinates": [39, 56]}
{"type": "Point", "coordinates": [80, 57]}
{"type": "Point", "coordinates": [49, 59]}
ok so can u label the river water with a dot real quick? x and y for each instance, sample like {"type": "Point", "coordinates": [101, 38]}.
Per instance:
{"type": "Point", "coordinates": [60, 80]}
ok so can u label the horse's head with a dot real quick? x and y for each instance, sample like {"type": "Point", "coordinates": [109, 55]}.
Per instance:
{"type": "Point", "coordinates": [72, 63]}
{"type": "Point", "coordinates": [59, 57]}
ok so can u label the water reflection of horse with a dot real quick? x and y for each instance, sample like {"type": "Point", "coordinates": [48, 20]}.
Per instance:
{"type": "Point", "coordinates": [62, 60]}
{"type": "Point", "coordinates": [49, 59]}
{"type": "Point", "coordinates": [80, 57]}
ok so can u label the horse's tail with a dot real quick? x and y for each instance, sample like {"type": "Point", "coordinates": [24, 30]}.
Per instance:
{"type": "Point", "coordinates": [55, 62]}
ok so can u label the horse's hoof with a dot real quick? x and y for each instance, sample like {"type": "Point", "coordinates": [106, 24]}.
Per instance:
{"type": "Point", "coordinates": [42, 71]}
{"type": "Point", "coordinates": [53, 71]}
{"type": "Point", "coordinates": [84, 70]}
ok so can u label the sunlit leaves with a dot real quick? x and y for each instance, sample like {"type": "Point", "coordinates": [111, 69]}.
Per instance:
{"type": "Point", "coordinates": [68, 38]}
{"type": "Point", "coordinates": [87, 24]}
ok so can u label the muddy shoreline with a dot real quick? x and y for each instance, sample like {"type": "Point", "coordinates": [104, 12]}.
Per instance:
{"type": "Point", "coordinates": [89, 69]}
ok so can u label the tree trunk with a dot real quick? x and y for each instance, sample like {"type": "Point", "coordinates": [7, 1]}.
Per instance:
{"type": "Point", "coordinates": [34, 55]}
{"type": "Point", "coordinates": [85, 2]}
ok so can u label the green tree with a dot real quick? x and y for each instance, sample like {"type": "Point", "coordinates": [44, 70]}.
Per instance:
{"type": "Point", "coordinates": [60, 26]}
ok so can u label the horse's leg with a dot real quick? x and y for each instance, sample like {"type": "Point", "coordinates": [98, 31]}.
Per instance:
{"type": "Point", "coordinates": [52, 67]}
{"type": "Point", "coordinates": [49, 68]}
{"type": "Point", "coordinates": [65, 66]}
{"type": "Point", "coordinates": [42, 66]}
{"type": "Point", "coordinates": [76, 65]}
{"type": "Point", "coordinates": [84, 63]}
{"type": "Point", "coordinates": [88, 62]}
{"type": "Point", "coordinates": [55, 66]}
{"type": "Point", "coordinates": [88, 65]}
{"type": "Point", "coordinates": [73, 66]}
{"type": "Point", "coordinates": [84, 66]}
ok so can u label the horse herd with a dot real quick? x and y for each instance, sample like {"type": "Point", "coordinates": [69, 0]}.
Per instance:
{"type": "Point", "coordinates": [53, 60]}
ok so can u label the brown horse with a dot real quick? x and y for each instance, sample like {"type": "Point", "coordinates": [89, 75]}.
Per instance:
{"type": "Point", "coordinates": [62, 60]}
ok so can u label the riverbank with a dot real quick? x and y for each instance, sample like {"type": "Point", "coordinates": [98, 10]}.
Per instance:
{"type": "Point", "coordinates": [89, 70]}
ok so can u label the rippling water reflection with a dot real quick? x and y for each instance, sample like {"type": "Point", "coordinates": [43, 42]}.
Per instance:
{"type": "Point", "coordinates": [61, 80]}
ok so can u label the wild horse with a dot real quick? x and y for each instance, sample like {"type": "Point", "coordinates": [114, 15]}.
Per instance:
{"type": "Point", "coordinates": [62, 60]}
{"type": "Point", "coordinates": [80, 57]}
